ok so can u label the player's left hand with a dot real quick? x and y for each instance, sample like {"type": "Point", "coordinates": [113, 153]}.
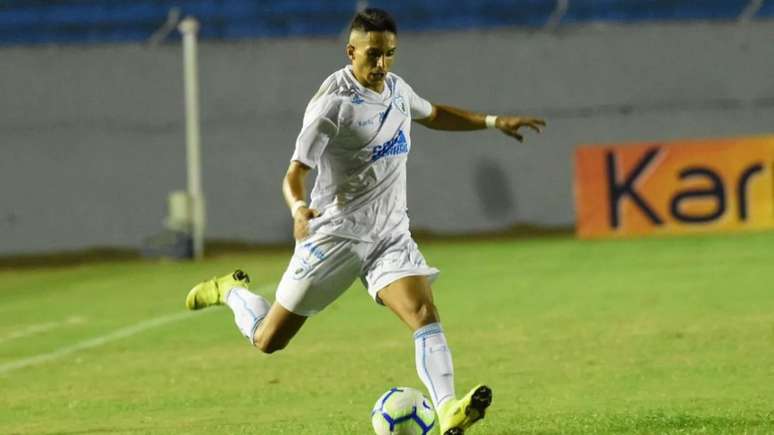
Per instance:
{"type": "Point", "coordinates": [510, 125]}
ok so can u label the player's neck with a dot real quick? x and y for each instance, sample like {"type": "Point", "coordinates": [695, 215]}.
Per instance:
{"type": "Point", "coordinates": [378, 87]}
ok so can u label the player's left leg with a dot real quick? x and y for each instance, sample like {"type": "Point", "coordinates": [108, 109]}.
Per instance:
{"type": "Point", "coordinates": [411, 299]}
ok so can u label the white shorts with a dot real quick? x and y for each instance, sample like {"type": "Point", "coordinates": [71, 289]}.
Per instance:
{"type": "Point", "coordinates": [324, 266]}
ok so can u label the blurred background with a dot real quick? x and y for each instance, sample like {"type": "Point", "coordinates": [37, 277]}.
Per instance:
{"type": "Point", "coordinates": [660, 117]}
{"type": "Point", "coordinates": [92, 113]}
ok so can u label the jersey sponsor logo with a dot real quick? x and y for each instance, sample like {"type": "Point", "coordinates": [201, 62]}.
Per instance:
{"type": "Point", "coordinates": [372, 120]}
{"type": "Point", "coordinates": [357, 99]}
{"type": "Point", "coordinates": [395, 146]}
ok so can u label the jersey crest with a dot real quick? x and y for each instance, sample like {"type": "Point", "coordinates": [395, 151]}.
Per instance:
{"type": "Point", "coordinates": [400, 104]}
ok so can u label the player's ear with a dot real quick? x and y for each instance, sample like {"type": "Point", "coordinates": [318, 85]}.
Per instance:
{"type": "Point", "coordinates": [351, 51]}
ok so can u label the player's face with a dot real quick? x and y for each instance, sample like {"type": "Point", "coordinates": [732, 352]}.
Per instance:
{"type": "Point", "coordinates": [372, 54]}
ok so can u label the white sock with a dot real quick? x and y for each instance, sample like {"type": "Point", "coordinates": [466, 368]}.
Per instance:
{"type": "Point", "coordinates": [249, 310]}
{"type": "Point", "coordinates": [434, 363]}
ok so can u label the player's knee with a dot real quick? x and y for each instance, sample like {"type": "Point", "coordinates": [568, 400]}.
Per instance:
{"type": "Point", "coordinates": [271, 348]}
{"type": "Point", "coordinates": [423, 313]}
{"type": "Point", "coordinates": [269, 344]}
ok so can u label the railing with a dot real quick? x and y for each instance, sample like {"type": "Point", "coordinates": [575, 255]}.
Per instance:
{"type": "Point", "coordinates": [89, 21]}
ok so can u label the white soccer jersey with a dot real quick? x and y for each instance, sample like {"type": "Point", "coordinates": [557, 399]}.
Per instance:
{"type": "Point", "coordinates": [359, 140]}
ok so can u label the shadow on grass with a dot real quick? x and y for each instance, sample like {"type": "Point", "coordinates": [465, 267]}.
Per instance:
{"type": "Point", "coordinates": [651, 423]}
{"type": "Point", "coordinates": [663, 422]}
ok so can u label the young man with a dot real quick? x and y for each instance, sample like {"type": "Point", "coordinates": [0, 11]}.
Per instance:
{"type": "Point", "coordinates": [356, 132]}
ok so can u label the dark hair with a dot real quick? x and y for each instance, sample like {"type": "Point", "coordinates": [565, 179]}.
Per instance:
{"type": "Point", "coordinates": [373, 20]}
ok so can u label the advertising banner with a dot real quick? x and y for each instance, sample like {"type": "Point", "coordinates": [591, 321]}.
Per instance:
{"type": "Point", "coordinates": [675, 187]}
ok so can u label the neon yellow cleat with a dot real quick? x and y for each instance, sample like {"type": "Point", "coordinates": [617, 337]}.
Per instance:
{"type": "Point", "coordinates": [458, 415]}
{"type": "Point", "coordinates": [213, 291]}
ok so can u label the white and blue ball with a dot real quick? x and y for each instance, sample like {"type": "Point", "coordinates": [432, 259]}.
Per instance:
{"type": "Point", "coordinates": [403, 411]}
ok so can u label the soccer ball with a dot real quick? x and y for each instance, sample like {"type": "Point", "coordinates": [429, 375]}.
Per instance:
{"type": "Point", "coordinates": [403, 411]}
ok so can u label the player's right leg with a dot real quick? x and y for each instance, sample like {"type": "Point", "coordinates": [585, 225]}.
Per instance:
{"type": "Point", "coordinates": [277, 329]}
{"type": "Point", "coordinates": [269, 328]}
{"type": "Point", "coordinates": [322, 267]}
{"type": "Point", "coordinates": [249, 308]}
{"type": "Point", "coordinates": [214, 291]}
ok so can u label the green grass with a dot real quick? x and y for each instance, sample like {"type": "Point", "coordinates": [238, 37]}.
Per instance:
{"type": "Point", "coordinates": [653, 336]}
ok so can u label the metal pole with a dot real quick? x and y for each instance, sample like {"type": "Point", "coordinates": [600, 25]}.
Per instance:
{"type": "Point", "coordinates": [173, 17]}
{"type": "Point", "coordinates": [748, 13]}
{"type": "Point", "coordinates": [189, 28]}
{"type": "Point", "coordinates": [556, 16]}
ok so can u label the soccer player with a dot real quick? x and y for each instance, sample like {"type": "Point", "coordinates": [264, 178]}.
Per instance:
{"type": "Point", "coordinates": [357, 133]}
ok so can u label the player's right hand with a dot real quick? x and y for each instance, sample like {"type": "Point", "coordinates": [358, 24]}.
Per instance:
{"type": "Point", "coordinates": [301, 222]}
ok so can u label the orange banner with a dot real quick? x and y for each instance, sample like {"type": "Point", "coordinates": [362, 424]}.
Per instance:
{"type": "Point", "coordinates": [675, 188]}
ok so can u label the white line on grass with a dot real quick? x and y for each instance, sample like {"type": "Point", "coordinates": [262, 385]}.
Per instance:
{"type": "Point", "coordinates": [41, 327]}
{"type": "Point", "coordinates": [95, 342]}
{"type": "Point", "coordinates": [99, 341]}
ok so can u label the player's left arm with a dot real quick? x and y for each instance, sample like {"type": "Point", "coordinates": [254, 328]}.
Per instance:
{"type": "Point", "coordinates": [455, 119]}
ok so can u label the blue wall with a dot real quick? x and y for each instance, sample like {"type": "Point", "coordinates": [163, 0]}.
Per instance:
{"type": "Point", "coordinates": [87, 21]}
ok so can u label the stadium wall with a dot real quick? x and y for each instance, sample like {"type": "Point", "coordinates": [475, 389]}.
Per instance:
{"type": "Point", "coordinates": [93, 136]}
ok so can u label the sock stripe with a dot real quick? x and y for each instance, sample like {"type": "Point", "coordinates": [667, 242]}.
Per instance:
{"type": "Point", "coordinates": [244, 303]}
{"type": "Point", "coordinates": [254, 328]}
{"type": "Point", "coordinates": [433, 328]}
{"type": "Point", "coordinates": [249, 310]}
{"type": "Point", "coordinates": [433, 362]}
{"type": "Point", "coordinates": [443, 399]}
{"type": "Point", "coordinates": [427, 372]}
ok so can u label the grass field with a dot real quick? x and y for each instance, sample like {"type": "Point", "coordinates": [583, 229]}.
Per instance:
{"type": "Point", "coordinates": [670, 336]}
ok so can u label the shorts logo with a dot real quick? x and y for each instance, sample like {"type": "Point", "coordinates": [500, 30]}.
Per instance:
{"type": "Point", "coordinates": [316, 251]}
{"type": "Point", "coordinates": [301, 270]}
{"type": "Point", "coordinates": [395, 146]}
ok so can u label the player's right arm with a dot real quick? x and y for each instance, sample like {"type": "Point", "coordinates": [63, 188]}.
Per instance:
{"type": "Point", "coordinates": [294, 192]}
{"type": "Point", "coordinates": [320, 126]}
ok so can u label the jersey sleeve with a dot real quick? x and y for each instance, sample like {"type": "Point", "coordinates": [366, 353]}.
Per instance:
{"type": "Point", "coordinates": [420, 108]}
{"type": "Point", "coordinates": [320, 126]}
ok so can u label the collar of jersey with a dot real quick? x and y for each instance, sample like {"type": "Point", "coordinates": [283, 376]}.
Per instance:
{"type": "Point", "coordinates": [364, 91]}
